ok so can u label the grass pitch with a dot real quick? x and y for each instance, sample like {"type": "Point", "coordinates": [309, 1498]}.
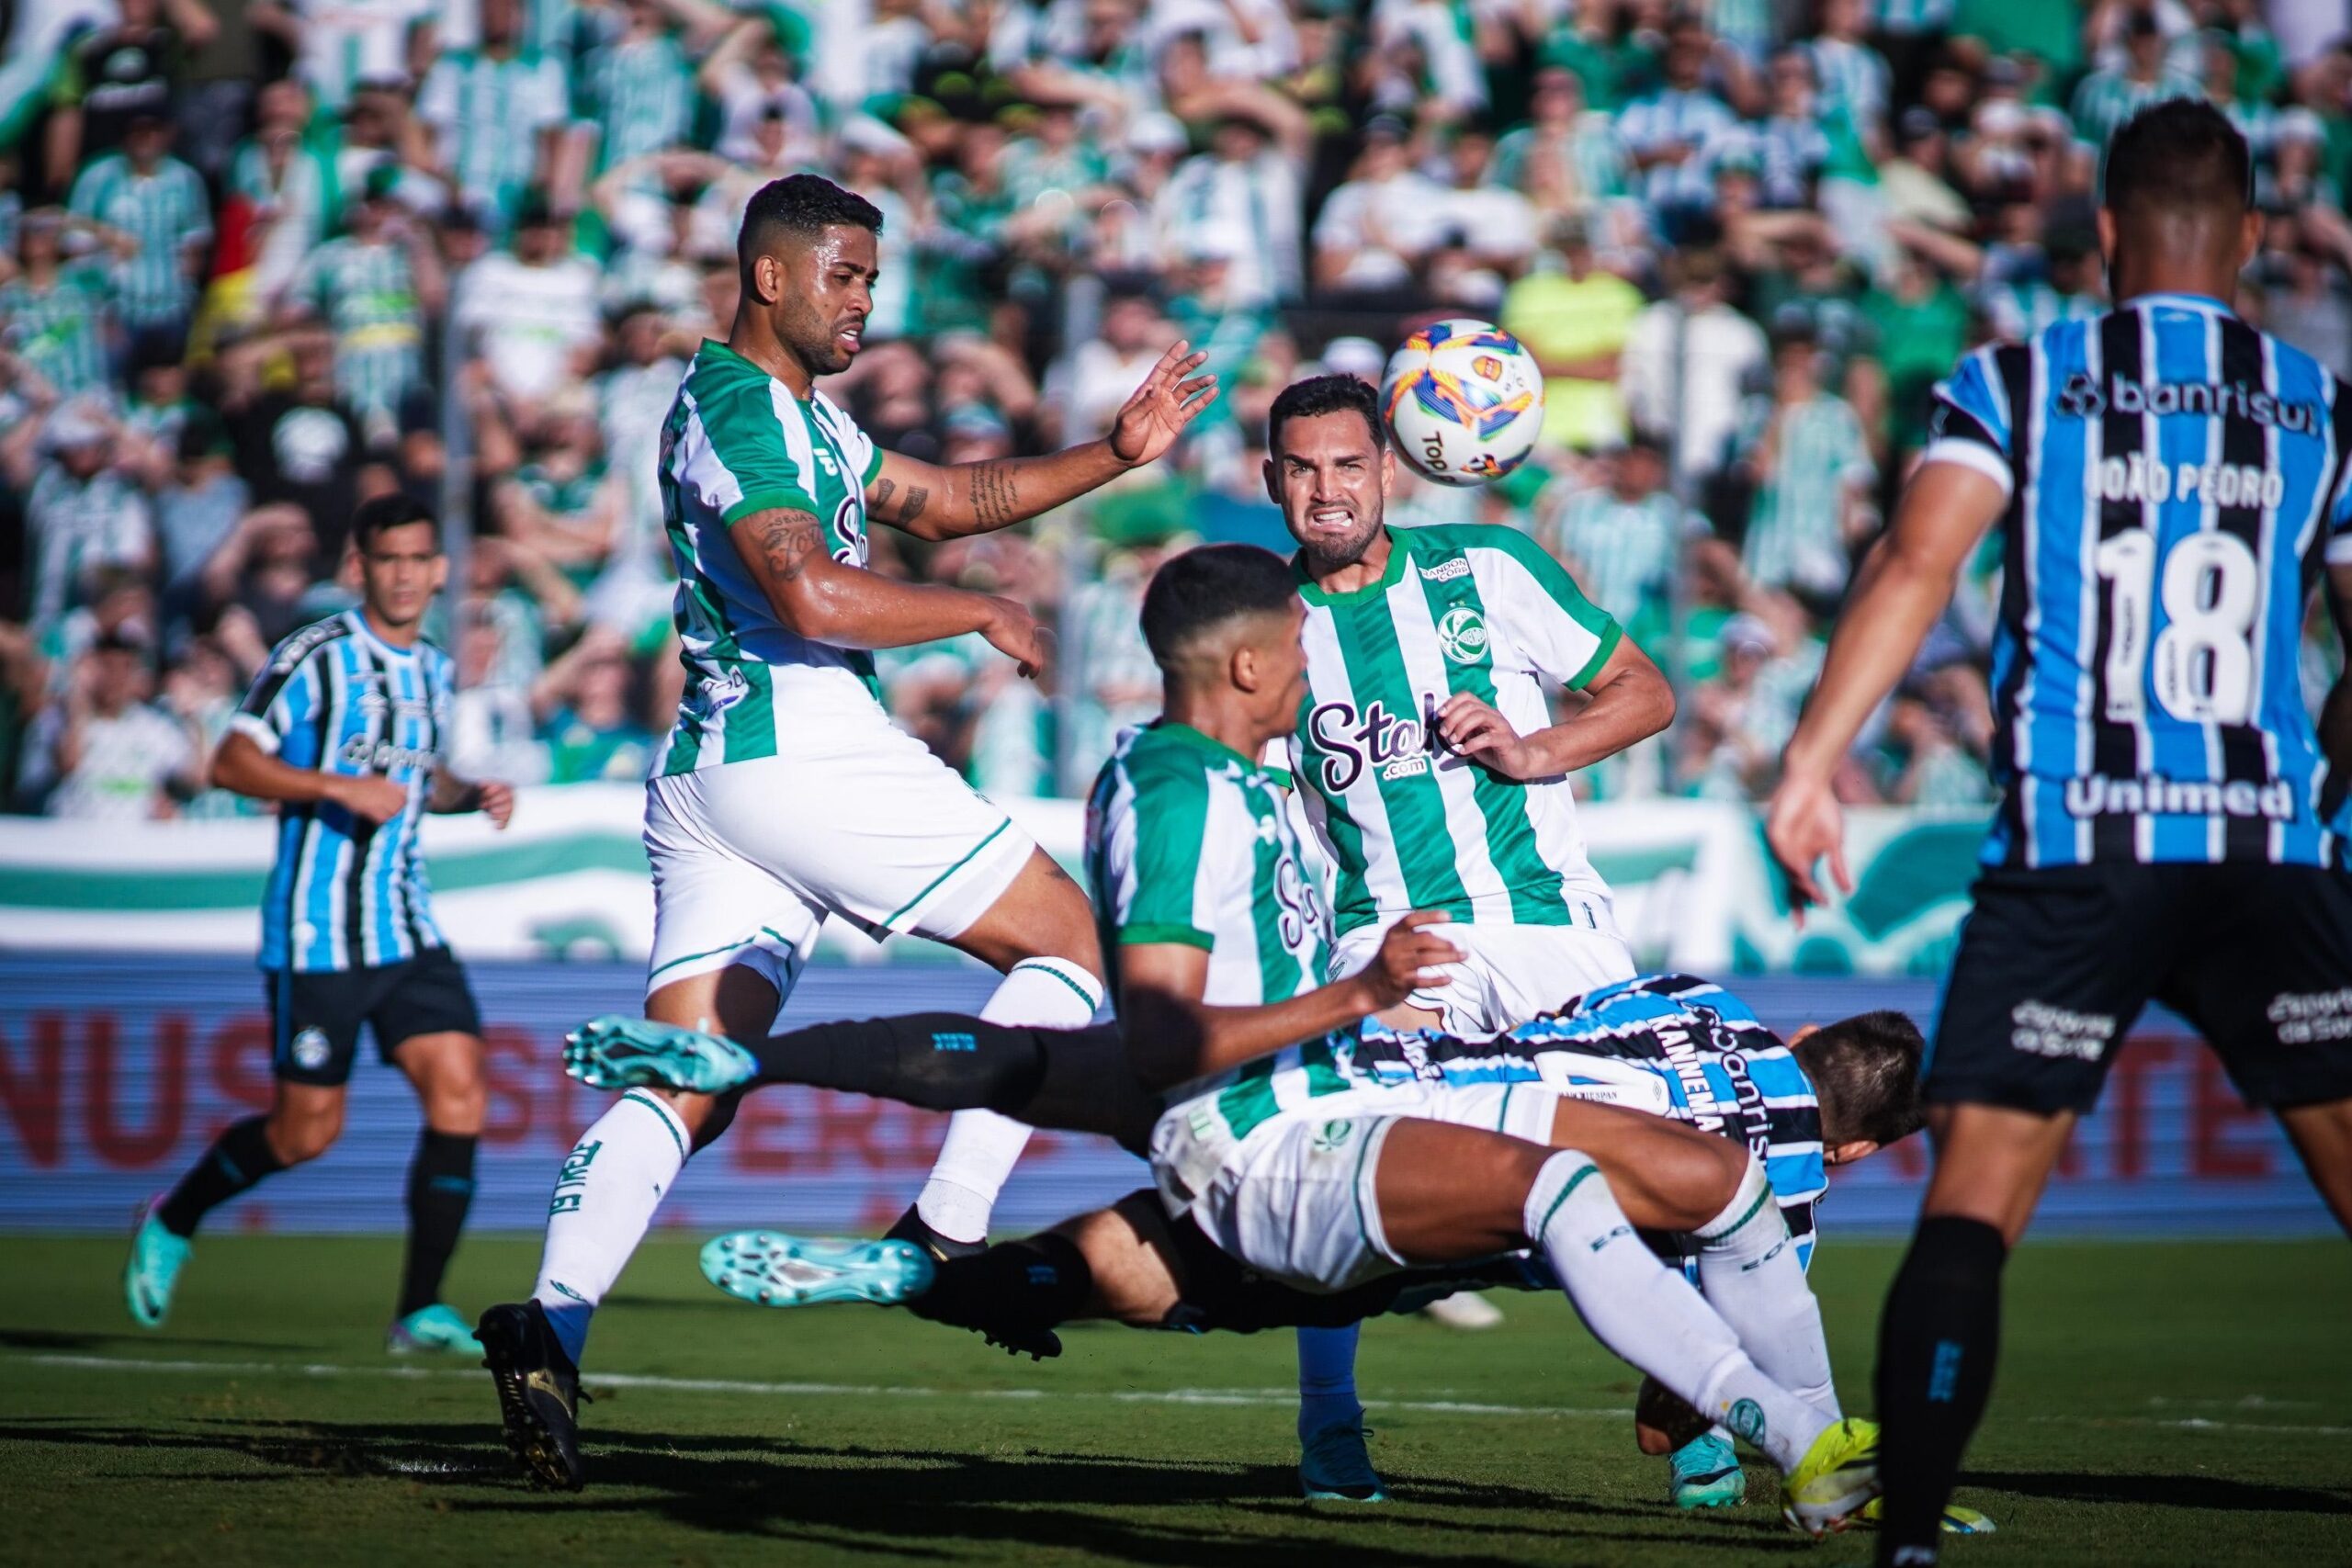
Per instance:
{"type": "Point", "coordinates": [2157, 1403]}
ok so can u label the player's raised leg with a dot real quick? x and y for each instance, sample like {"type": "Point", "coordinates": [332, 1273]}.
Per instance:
{"type": "Point", "coordinates": [1040, 934]}
{"type": "Point", "coordinates": [445, 1068]}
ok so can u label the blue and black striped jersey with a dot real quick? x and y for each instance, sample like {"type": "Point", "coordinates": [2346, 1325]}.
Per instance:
{"type": "Point", "coordinates": [1673, 1045]}
{"type": "Point", "coordinates": [347, 893]}
{"type": "Point", "coordinates": [2175, 481]}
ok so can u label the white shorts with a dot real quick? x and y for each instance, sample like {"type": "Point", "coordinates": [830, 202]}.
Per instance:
{"type": "Point", "coordinates": [750, 857]}
{"type": "Point", "coordinates": [1294, 1199]}
{"type": "Point", "coordinates": [1507, 974]}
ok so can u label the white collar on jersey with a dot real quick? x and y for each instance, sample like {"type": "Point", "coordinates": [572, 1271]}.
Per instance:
{"type": "Point", "coordinates": [2204, 302]}
{"type": "Point", "coordinates": [357, 615]}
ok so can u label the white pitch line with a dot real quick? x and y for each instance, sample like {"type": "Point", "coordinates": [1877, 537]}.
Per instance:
{"type": "Point", "coordinates": [1211, 1397]}
{"type": "Point", "coordinates": [1214, 1396]}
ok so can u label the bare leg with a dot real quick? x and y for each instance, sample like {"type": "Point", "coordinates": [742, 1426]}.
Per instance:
{"type": "Point", "coordinates": [2323, 1136]}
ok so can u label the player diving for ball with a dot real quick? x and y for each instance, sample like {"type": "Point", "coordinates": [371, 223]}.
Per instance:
{"type": "Point", "coordinates": [783, 794]}
{"type": "Point", "coordinates": [1266, 1155]}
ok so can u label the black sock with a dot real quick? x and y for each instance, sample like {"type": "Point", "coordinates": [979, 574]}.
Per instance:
{"type": "Point", "coordinates": [440, 1190]}
{"type": "Point", "coordinates": [939, 1061]}
{"type": "Point", "coordinates": [1936, 1348]}
{"type": "Point", "coordinates": [1015, 1290]}
{"type": "Point", "coordinates": [238, 1158]}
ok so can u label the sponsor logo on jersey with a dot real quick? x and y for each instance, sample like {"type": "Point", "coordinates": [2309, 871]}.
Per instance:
{"type": "Point", "coordinates": [2084, 397]}
{"type": "Point", "coordinates": [1447, 570]}
{"type": "Point", "coordinates": [1461, 633]}
{"type": "Point", "coordinates": [383, 757]}
{"type": "Point", "coordinates": [2098, 795]}
{"type": "Point", "coordinates": [2042, 1030]}
{"type": "Point", "coordinates": [1698, 1091]}
{"type": "Point", "coordinates": [1352, 741]}
{"type": "Point", "coordinates": [310, 1050]}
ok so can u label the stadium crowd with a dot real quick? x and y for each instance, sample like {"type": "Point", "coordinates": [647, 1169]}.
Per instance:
{"type": "Point", "coordinates": [259, 261]}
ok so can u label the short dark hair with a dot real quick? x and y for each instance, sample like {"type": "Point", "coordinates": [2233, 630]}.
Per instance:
{"type": "Point", "coordinates": [2180, 155]}
{"type": "Point", "coordinates": [396, 510]}
{"type": "Point", "coordinates": [1321, 395]}
{"type": "Point", "coordinates": [1865, 1072]}
{"type": "Point", "coordinates": [801, 205]}
{"type": "Point", "coordinates": [1204, 588]}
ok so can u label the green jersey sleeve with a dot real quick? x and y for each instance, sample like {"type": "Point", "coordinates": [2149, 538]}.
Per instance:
{"type": "Point", "coordinates": [1545, 616]}
{"type": "Point", "coordinates": [1155, 845]}
{"type": "Point", "coordinates": [741, 462]}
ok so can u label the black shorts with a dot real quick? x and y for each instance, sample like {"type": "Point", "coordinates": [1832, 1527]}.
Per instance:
{"type": "Point", "coordinates": [315, 1017]}
{"type": "Point", "coordinates": [2055, 964]}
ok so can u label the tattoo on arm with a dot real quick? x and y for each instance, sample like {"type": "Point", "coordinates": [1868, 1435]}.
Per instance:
{"type": "Point", "coordinates": [883, 491]}
{"type": "Point", "coordinates": [996, 501]}
{"type": "Point", "coordinates": [917, 499]}
{"type": "Point", "coordinates": [787, 540]}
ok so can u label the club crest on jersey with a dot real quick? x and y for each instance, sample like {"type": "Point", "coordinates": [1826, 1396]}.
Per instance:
{"type": "Point", "coordinates": [1461, 633]}
{"type": "Point", "coordinates": [310, 1050]}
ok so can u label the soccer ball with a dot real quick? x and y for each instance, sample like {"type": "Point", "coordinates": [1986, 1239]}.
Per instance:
{"type": "Point", "coordinates": [1465, 401]}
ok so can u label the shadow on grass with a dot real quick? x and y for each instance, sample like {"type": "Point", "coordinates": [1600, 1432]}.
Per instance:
{"type": "Point", "coordinates": [2216, 1492]}
{"type": "Point", "coordinates": [916, 1501]}
{"type": "Point", "coordinates": [59, 1341]}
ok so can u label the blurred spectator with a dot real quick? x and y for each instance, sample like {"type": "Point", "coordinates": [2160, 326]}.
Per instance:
{"type": "Point", "coordinates": [81, 515]}
{"type": "Point", "coordinates": [591, 728]}
{"type": "Point", "coordinates": [299, 444]}
{"type": "Point", "coordinates": [1685, 361]}
{"type": "Point", "coordinates": [115, 756]}
{"type": "Point", "coordinates": [1669, 134]}
{"type": "Point", "coordinates": [497, 114]}
{"type": "Point", "coordinates": [1245, 188]}
{"type": "Point", "coordinates": [160, 220]}
{"type": "Point", "coordinates": [1376, 228]}
{"type": "Point", "coordinates": [1576, 319]}
{"type": "Point", "coordinates": [529, 315]}
{"type": "Point", "coordinates": [1620, 538]}
{"type": "Point", "coordinates": [1802, 453]}
{"type": "Point", "coordinates": [120, 72]}
{"type": "Point", "coordinates": [56, 314]}
{"type": "Point", "coordinates": [373, 287]}
{"type": "Point", "coordinates": [2116, 92]}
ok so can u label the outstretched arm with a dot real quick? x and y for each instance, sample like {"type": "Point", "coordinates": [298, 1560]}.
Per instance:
{"type": "Point", "coordinates": [1174, 1037]}
{"type": "Point", "coordinates": [934, 502]}
{"type": "Point", "coordinates": [1904, 583]}
{"type": "Point", "coordinates": [828, 600]}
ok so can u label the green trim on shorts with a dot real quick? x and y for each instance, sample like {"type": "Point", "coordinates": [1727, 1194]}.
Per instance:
{"type": "Point", "coordinates": [1502, 1116]}
{"type": "Point", "coordinates": [667, 1125]}
{"type": "Point", "coordinates": [890, 921]}
{"type": "Point", "coordinates": [730, 947]}
{"type": "Point", "coordinates": [1590, 1169]}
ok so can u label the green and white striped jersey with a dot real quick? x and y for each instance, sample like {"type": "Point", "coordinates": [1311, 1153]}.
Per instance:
{"type": "Point", "coordinates": [1406, 824]}
{"type": "Point", "coordinates": [61, 330]}
{"type": "Point", "coordinates": [366, 293]}
{"type": "Point", "coordinates": [736, 442]}
{"type": "Point", "coordinates": [166, 212]}
{"type": "Point", "coordinates": [1187, 841]}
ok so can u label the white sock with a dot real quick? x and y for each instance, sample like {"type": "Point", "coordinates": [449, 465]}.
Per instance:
{"type": "Point", "coordinates": [612, 1182]}
{"type": "Point", "coordinates": [1749, 1272]}
{"type": "Point", "coordinates": [1649, 1316]}
{"type": "Point", "coordinates": [981, 1147]}
{"type": "Point", "coordinates": [1327, 1379]}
